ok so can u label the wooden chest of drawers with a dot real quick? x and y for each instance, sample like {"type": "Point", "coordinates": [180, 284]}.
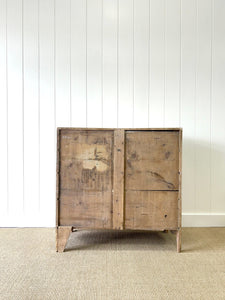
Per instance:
{"type": "Point", "coordinates": [118, 179]}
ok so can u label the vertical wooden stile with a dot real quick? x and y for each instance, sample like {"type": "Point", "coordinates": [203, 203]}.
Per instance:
{"type": "Point", "coordinates": [57, 189]}
{"type": "Point", "coordinates": [57, 175]}
{"type": "Point", "coordinates": [179, 194]}
{"type": "Point", "coordinates": [180, 182]}
{"type": "Point", "coordinates": [118, 179]}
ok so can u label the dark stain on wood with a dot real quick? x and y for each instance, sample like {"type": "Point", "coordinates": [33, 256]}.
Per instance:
{"type": "Point", "coordinates": [167, 154]}
{"type": "Point", "coordinates": [129, 164]}
{"type": "Point", "coordinates": [100, 140]}
{"type": "Point", "coordinates": [70, 165]}
{"type": "Point", "coordinates": [161, 178]}
{"type": "Point", "coordinates": [134, 155]}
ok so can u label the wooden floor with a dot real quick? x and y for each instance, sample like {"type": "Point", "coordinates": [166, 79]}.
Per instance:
{"type": "Point", "coordinates": [112, 265]}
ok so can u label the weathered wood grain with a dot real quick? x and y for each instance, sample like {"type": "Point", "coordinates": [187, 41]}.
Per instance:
{"type": "Point", "coordinates": [57, 175]}
{"type": "Point", "coordinates": [152, 160]}
{"type": "Point", "coordinates": [86, 178]}
{"type": "Point", "coordinates": [180, 181]}
{"type": "Point", "coordinates": [118, 180]}
{"type": "Point", "coordinates": [155, 210]}
{"type": "Point", "coordinates": [62, 236]}
{"type": "Point", "coordinates": [179, 236]}
{"type": "Point", "coordinates": [91, 209]}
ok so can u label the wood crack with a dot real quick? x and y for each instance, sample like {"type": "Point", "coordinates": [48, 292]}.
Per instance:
{"type": "Point", "coordinates": [161, 178]}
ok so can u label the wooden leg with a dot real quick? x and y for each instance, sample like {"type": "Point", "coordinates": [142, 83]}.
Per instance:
{"type": "Point", "coordinates": [62, 235]}
{"type": "Point", "coordinates": [178, 240]}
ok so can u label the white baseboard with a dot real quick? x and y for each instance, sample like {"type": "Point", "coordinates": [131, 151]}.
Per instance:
{"type": "Point", "coordinates": [40, 220]}
{"type": "Point", "coordinates": [203, 220]}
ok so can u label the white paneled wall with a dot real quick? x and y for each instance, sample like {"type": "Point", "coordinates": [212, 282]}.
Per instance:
{"type": "Point", "coordinates": [110, 63]}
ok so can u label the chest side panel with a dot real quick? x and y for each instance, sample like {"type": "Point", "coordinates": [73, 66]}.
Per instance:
{"type": "Point", "coordinates": [85, 178]}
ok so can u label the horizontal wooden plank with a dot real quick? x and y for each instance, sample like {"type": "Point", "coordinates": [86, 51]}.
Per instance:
{"type": "Point", "coordinates": [85, 209]}
{"type": "Point", "coordinates": [153, 210]}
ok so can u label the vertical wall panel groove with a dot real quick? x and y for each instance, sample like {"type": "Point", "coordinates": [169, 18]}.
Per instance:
{"type": "Point", "coordinates": [117, 66]}
{"type": "Point", "coordinates": [86, 63]}
{"type": "Point", "coordinates": [172, 64]}
{"type": "Point", "coordinates": [39, 112]}
{"type": "Point", "coordinates": [31, 109]}
{"type": "Point", "coordinates": [102, 63]}
{"type": "Point", "coordinates": [157, 64]}
{"type": "Point", "coordinates": [211, 93]}
{"type": "Point", "coordinates": [133, 82]}
{"type": "Point", "coordinates": [218, 107]}
{"type": "Point", "coordinates": [54, 55]}
{"type": "Point", "coordinates": [23, 103]}
{"type": "Point", "coordinates": [7, 107]}
{"type": "Point", "coordinates": [70, 62]}
{"type": "Point", "coordinates": [195, 107]}
{"type": "Point", "coordinates": [3, 107]}
{"type": "Point", "coordinates": [202, 106]}
{"type": "Point", "coordinates": [164, 58]}
{"type": "Point", "coordinates": [78, 65]}
{"type": "Point", "coordinates": [180, 57]}
{"type": "Point", "coordinates": [188, 101]}
{"type": "Point", "coordinates": [125, 64]}
{"type": "Point", "coordinates": [62, 62]}
{"type": "Point", "coordinates": [47, 111]}
{"type": "Point", "coordinates": [15, 128]}
{"type": "Point", "coordinates": [141, 63]}
{"type": "Point", "coordinates": [94, 59]}
{"type": "Point", "coordinates": [109, 64]}
{"type": "Point", "coordinates": [149, 61]}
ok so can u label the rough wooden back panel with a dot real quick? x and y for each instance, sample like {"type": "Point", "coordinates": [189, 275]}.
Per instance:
{"type": "Point", "coordinates": [86, 164]}
{"type": "Point", "coordinates": [119, 178]}
{"type": "Point", "coordinates": [152, 160]}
